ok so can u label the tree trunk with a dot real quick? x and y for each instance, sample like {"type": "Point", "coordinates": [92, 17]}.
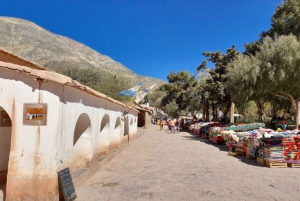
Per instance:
{"type": "Point", "coordinates": [297, 114]}
{"type": "Point", "coordinates": [213, 112]}
{"type": "Point", "coordinates": [232, 112]}
{"type": "Point", "coordinates": [260, 109]}
{"type": "Point", "coordinates": [226, 110]}
{"type": "Point", "coordinates": [217, 113]}
{"type": "Point", "coordinates": [207, 111]}
{"type": "Point", "coordinates": [294, 105]}
{"type": "Point", "coordinates": [203, 110]}
{"type": "Point", "coordinates": [295, 108]}
{"type": "Point", "coordinates": [273, 110]}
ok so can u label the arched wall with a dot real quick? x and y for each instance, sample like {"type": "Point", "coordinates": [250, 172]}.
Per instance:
{"type": "Point", "coordinates": [133, 125]}
{"type": "Point", "coordinates": [116, 141]}
{"type": "Point", "coordinates": [126, 126]}
{"type": "Point", "coordinates": [37, 153]}
{"type": "Point", "coordinates": [5, 141]}
{"type": "Point", "coordinates": [103, 137]}
{"type": "Point", "coordinates": [32, 148]}
{"type": "Point", "coordinates": [131, 121]}
{"type": "Point", "coordinates": [126, 130]}
{"type": "Point", "coordinates": [83, 146]}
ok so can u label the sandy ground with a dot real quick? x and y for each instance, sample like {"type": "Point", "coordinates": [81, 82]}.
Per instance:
{"type": "Point", "coordinates": [164, 166]}
{"type": "Point", "coordinates": [170, 167]}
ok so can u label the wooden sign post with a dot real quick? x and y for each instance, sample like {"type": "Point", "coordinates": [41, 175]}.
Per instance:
{"type": "Point", "coordinates": [67, 185]}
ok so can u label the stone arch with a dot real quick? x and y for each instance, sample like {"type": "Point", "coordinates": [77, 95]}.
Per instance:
{"type": "Point", "coordinates": [5, 142]}
{"type": "Point", "coordinates": [104, 123]}
{"type": "Point", "coordinates": [118, 123]}
{"type": "Point", "coordinates": [118, 135]}
{"type": "Point", "coordinates": [126, 126]}
{"type": "Point", "coordinates": [82, 143]}
{"type": "Point", "coordinates": [103, 138]}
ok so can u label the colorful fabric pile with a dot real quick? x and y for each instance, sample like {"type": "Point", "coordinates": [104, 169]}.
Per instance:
{"type": "Point", "coordinates": [297, 143]}
{"type": "Point", "coordinates": [225, 134]}
{"type": "Point", "coordinates": [291, 154]}
{"type": "Point", "coordinates": [273, 150]}
{"type": "Point", "coordinates": [215, 134]}
{"type": "Point", "coordinates": [245, 127]}
{"type": "Point", "coordinates": [242, 144]}
{"type": "Point", "coordinates": [244, 139]}
{"type": "Point", "coordinates": [274, 154]}
{"type": "Point", "coordinates": [253, 143]}
{"type": "Point", "coordinates": [194, 128]}
{"type": "Point", "coordinates": [240, 147]}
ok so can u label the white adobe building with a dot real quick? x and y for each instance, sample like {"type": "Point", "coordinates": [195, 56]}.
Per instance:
{"type": "Point", "coordinates": [74, 127]}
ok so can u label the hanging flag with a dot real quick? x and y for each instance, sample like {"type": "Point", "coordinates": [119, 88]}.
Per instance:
{"type": "Point", "coordinates": [132, 91]}
{"type": "Point", "coordinates": [141, 94]}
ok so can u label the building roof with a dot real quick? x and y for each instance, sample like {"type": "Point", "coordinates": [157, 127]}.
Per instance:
{"type": "Point", "coordinates": [143, 110]}
{"type": "Point", "coordinates": [8, 57]}
{"type": "Point", "coordinates": [44, 74]}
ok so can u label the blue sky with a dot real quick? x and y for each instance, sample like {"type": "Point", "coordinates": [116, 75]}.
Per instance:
{"type": "Point", "coordinates": [151, 37]}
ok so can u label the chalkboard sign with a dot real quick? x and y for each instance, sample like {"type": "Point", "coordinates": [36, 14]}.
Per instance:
{"type": "Point", "coordinates": [67, 184]}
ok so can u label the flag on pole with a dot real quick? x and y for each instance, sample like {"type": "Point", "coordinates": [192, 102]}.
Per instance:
{"type": "Point", "coordinates": [141, 94]}
{"type": "Point", "coordinates": [132, 91]}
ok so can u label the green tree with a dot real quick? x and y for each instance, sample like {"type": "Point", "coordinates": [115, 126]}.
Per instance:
{"type": "Point", "coordinates": [154, 96]}
{"type": "Point", "coordinates": [101, 81]}
{"type": "Point", "coordinates": [180, 89]}
{"type": "Point", "coordinates": [172, 109]}
{"type": "Point", "coordinates": [245, 83]}
{"type": "Point", "coordinates": [218, 96]}
{"type": "Point", "coordinates": [280, 63]}
{"type": "Point", "coordinates": [285, 21]}
{"type": "Point", "coordinates": [275, 70]}
{"type": "Point", "coordinates": [286, 18]}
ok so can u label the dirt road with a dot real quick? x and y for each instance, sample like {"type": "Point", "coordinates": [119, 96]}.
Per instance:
{"type": "Point", "coordinates": [176, 167]}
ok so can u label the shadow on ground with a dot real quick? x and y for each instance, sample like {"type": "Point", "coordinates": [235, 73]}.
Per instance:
{"type": "Point", "coordinates": [192, 137]}
{"type": "Point", "coordinates": [169, 132]}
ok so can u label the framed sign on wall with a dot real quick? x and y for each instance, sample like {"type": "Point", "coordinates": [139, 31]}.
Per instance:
{"type": "Point", "coordinates": [5, 119]}
{"type": "Point", "coordinates": [35, 114]}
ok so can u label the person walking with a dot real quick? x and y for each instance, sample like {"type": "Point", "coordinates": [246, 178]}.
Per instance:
{"type": "Point", "coordinates": [162, 122]}
{"type": "Point", "coordinates": [169, 125]}
{"type": "Point", "coordinates": [179, 124]}
{"type": "Point", "coordinates": [172, 124]}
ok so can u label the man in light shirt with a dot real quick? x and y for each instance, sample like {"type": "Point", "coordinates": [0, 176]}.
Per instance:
{"type": "Point", "coordinates": [172, 124]}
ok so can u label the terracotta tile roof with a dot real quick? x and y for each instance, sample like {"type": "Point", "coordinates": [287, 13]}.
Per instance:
{"type": "Point", "coordinates": [45, 74]}
{"type": "Point", "coordinates": [11, 58]}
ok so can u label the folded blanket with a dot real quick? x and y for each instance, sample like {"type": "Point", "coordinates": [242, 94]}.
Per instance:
{"type": "Point", "coordinates": [276, 160]}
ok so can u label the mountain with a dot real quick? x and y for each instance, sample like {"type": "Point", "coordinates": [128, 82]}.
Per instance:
{"type": "Point", "coordinates": [38, 45]}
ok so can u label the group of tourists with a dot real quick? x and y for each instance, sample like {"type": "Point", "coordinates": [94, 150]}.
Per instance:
{"type": "Point", "coordinates": [173, 124]}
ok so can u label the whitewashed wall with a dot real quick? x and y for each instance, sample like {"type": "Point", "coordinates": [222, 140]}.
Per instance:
{"type": "Point", "coordinates": [5, 133]}
{"type": "Point", "coordinates": [80, 129]}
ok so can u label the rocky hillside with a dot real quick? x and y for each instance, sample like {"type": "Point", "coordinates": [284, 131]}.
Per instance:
{"type": "Point", "coordinates": [36, 44]}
